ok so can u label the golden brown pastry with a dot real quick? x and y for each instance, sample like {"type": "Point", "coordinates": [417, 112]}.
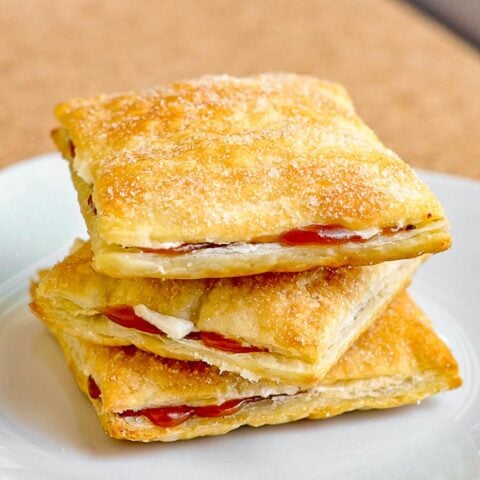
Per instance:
{"type": "Point", "coordinates": [224, 176]}
{"type": "Point", "coordinates": [291, 327]}
{"type": "Point", "coordinates": [142, 397]}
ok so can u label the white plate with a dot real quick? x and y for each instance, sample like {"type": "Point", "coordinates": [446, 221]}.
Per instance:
{"type": "Point", "coordinates": [48, 430]}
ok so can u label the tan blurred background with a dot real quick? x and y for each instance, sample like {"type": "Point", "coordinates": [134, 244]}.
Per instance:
{"type": "Point", "coordinates": [414, 82]}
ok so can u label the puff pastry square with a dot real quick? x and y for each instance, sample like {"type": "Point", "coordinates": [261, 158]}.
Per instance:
{"type": "Point", "coordinates": [142, 397]}
{"type": "Point", "coordinates": [222, 176]}
{"type": "Point", "coordinates": [288, 327]}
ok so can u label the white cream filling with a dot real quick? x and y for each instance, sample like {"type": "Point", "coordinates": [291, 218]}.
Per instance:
{"type": "Point", "coordinates": [342, 233]}
{"type": "Point", "coordinates": [82, 169]}
{"type": "Point", "coordinates": [167, 245]}
{"type": "Point", "coordinates": [174, 327]}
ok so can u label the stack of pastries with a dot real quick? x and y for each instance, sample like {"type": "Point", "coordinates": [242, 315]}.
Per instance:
{"type": "Point", "coordinates": [251, 240]}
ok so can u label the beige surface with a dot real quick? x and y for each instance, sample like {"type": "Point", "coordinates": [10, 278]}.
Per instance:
{"type": "Point", "coordinates": [413, 82]}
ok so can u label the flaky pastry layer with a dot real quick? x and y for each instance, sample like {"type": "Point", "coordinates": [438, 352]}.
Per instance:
{"type": "Point", "coordinates": [247, 259]}
{"type": "Point", "coordinates": [304, 320]}
{"type": "Point", "coordinates": [399, 360]}
{"type": "Point", "coordinates": [233, 160]}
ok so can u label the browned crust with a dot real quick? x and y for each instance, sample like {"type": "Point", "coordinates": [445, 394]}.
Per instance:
{"type": "Point", "coordinates": [399, 349]}
{"type": "Point", "coordinates": [305, 320]}
{"type": "Point", "coordinates": [227, 159]}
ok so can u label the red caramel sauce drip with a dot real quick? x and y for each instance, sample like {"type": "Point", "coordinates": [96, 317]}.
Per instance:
{"type": "Point", "coordinates": [227, 408]}
{"type": "Point", "coordinates": [215, 340]}
{"type": "Point", "coordinates": [308, 235]}
{"type": "Point", "coordinates": [163, 416]}
{"type": "Point", "coordinates": [71, 149]}
{"type": "Point", "coordinates": [320, 234]}
{"type": "Point", "coordinates": [331, 235]}
{"type": "Point", "coordinates": [93, 389]}
{"type": "Point", "coordinates": [393, 230]}
{"type": "Point", "coordinates": [172, 416]}
{"type": "Point", "coordinates": [125, 316]}
{"type": "Point", "coordinates": [129, 350]}
{"type": "Point", "coordinates": [91, 205]}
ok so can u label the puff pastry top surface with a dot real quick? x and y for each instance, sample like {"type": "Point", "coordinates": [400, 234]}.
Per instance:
{"type": "Point", "coordinates": [296, 314]}
{"type": "Point", "coordinates": [401, 343]}
{"type": "Point", "coordinates": [224, 159]}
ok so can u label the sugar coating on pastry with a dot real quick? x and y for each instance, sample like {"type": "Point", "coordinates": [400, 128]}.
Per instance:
{"type": "Point", "coordinates": [221, 160]}
{"type": "Point", "coordinates": [399, 360]}
{"type": "Point", "coordinates": [291, 327]}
